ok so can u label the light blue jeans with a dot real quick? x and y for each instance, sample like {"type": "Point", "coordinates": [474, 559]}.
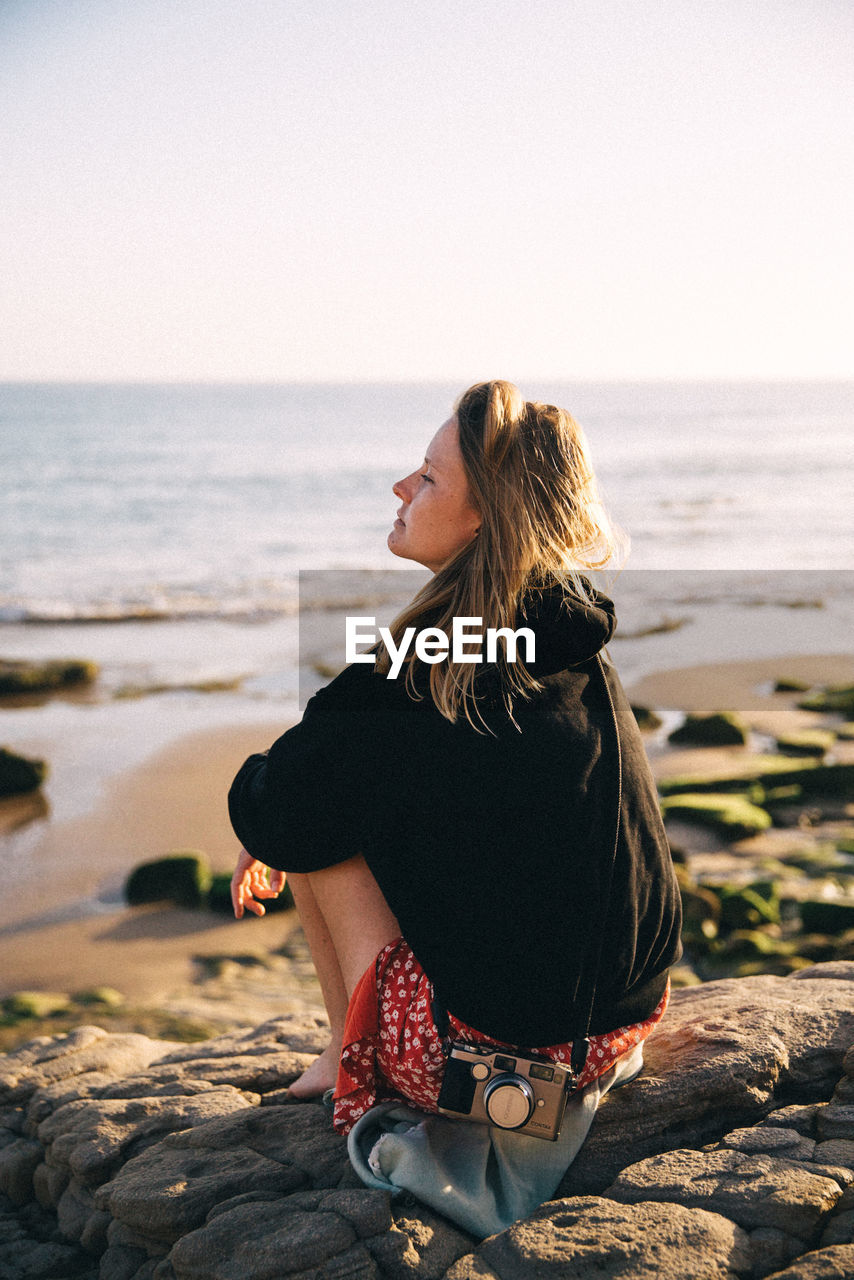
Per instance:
{"type": "Point", "coordinates": [481, 1177]}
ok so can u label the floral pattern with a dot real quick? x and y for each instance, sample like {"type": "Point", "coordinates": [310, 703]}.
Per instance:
{"type": "Point", "coordinates": [393, 1050]}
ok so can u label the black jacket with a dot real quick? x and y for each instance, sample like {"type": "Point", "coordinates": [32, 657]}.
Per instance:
{"type": "Point", "coordinates": [491, 850]}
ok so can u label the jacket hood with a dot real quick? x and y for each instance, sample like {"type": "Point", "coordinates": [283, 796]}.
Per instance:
{"type": "Point", "coordinates": [569, 628]}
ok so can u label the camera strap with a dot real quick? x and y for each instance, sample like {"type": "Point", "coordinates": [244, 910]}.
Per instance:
{"type": "Point", "coordinates": [580, 1043]}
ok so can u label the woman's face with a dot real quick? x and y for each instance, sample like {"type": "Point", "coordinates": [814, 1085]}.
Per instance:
{"type": "Point", "coordinates": [436, 519]}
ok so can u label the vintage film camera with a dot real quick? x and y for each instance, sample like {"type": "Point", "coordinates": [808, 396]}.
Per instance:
{"type": "Point", "coordinates": [527, 1095]}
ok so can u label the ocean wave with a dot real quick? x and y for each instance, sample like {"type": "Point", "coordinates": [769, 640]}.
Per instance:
{"type": "Point", "coordinates": [58, 613]}
{"type": "Point", "coordinates": [318, 591]}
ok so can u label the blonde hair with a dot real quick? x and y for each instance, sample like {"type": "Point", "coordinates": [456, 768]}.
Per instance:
{"type": "Point", "coordinates": [542, 521]}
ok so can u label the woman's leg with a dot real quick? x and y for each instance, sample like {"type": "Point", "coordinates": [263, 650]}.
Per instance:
{"type": "Point", "coordinates": [346, 921]}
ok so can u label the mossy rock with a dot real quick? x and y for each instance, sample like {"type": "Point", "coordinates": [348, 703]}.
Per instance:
{"type": "Point", "coordinates": [845, 844]}
{"type": "Point", "coordinates": [721, 729]}
{"type": "Point", "coordinates": [812, 776]}
{"type": "Point", "coordinates": [36, 1004]}
{"type": "Point", "coordinates": [774, 797]}
{"type": "Point", "coordinates": [701, 911]}
{"type": "Point", "coordinates": [807, 742]}
{"type": "Point", "coordinates": [646, 718]}
{"type": "Point", "coordinates": [821, 779]}
{"type": "Point", "coordinates": [827, 916]}
{"type": "Point", "coordinates": [182, 877]}
{"type": "Point", "coordinates": [20, 774]}
{"type": "Point", "coordinates": [747, 906]}
{"type": "Point", "coordinates": [219, 896]}
{"type": "Point", "coordinates": [99, 997]}
{"type": "Point", "coordinates": [749, 944]}
{"type": "Point", "coordinates": [845, 732]}
{"type": "Point", "coordinates": [44, 677]}
{"type": "Point", "coordinates": [734, 817]}
{"type": "Point", "coordinates": [791, 684]}
{"type": "Point", "coordinates": [833, 697]}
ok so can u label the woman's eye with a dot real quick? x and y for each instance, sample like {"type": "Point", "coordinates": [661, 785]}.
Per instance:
{"type": "Point", "coordinates": [424, 476]}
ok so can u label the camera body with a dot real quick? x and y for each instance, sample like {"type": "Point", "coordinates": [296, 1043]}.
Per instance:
{"type": "Point", "coordinates": [512, 1092]}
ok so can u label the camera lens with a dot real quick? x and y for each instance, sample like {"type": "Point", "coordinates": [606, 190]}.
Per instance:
{"type": "Point", "coordinates": [509, 1101]}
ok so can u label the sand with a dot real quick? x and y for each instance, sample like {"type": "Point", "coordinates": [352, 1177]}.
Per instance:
{"type": "Point", "coordinates": [52, 938]}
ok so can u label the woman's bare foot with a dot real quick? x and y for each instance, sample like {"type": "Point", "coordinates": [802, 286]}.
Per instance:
{"type": "Point", "coordinates": [320, 1076]}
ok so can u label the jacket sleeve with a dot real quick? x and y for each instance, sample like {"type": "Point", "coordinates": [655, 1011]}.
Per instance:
{"type": "Point", "coordinates": [296, 808]}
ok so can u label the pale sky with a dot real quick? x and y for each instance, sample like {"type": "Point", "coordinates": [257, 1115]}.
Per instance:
{"type": "Point", "coordinates": [336, 189]}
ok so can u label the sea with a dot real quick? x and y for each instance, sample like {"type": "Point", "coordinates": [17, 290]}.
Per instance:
{"type": "Point", "coordinates": [171, 533]}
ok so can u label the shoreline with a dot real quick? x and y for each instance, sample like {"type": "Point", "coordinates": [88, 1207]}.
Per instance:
{"type": "Point", "coordinates": [69, 931]}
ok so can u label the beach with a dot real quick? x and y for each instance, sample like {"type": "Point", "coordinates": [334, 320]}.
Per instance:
{"type": "Point", "coordinates": [70, 931]}
{"type": "Point", "coordinates": [212, 618]}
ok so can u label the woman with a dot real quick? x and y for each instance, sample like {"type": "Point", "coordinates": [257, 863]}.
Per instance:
{"type": "Point", "coordinates": [475, 849]}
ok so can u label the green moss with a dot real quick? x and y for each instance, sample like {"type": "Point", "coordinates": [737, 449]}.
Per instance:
{"type": "Point", "coordinates": [35, 1004]}
{"type": "Point", "coordinates": [646, 718]}
{"type": "Point", "coordinates": [182, 877]}
{"type": "Point", "coordinates": [20, 774]}
{"type": "Point", "coordinates": [44, 677]}
{"type": "Point", "coordinates": [99, 997]}
{"type": "Point", "coordinates": [769, 772]}
{"type": "Point", "coordinates": [747, 906]}
{"type": "Point", "coordinates": [791, 684]}
{"type": "Point", "coordinates": [807, 742]}
{"type": "Point", "coordinates": [833, 697]}
{"type": "Point", "coordinates": [732, 816]}
{"type": "Point", "coordinates": [722, 728]}
{"type": "Point", "coordinates": [845, 732]}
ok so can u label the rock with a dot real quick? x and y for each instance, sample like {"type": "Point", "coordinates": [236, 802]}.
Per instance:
{"type": "Point", "coordinates": [280, 1149]}
{"type": "Point", "coordinates": [834, 697]}
{"type": "Point", "coordinates": [824, 915]}
{"type": "Point", "coordinates": [840, 1229]}
{"type": "Point", "coordinates": [35, 1004]}
{"type": "Point", "coordinates": [105, 997]}
{"type": "Point", "coordinates": [836, 1263]}
{"type": "Point", "coordinates": [86, 1049]}
{"type": "Point", "coordinates": [836, 1121]}
{"type": "Point", "coordinates": [183, 877]}
{"type": "Point", "coordinates": [17, 677]}
{"type": "Point", "coordinates": [19, 1160]}
{"type": "Point", "coordinates": [588, 1236]}
{"type": "Point", "coordinates": [837, 1150]}
{"type": "Point", "coordinates": [89, 1137]}
{"type": "Point", "coordinates": [734, 817]}
{"type": "Point", "coordinates": [419, 1244]}
{"type": "Point", "coordinates": [20, 774]}
{"type": "Point", "coordinates": [730, 1156]}
{"type": "Point", "coordinates": [290, 1237]}
{"type": "Point", "coordinates": [769, 772]}
{"type": "Point", "coordinates": [754, 1191]}
{"type": "Point", "coordinates": [721, 729]}
{"type": "Point", "coordinates": [770, 1140]}
{"type": "Point", "coordinates": [646, 718]}
{"type": "Point", "coordinates": [773, 1249]}
{"type": "Point", "coordinates": [790, 684]}
{"type": "Point", "coordinates": [806, 742]}
{"type": "Point", "coordinates": [744, 907]}
{"type": "Point", "coordinates": [745, 1044]}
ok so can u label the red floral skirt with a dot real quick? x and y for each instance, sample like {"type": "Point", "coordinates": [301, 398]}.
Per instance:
{"type": "Point", "coordinates": [393, 1050]}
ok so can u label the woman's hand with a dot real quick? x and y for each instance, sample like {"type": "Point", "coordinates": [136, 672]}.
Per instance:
{"type": "Point", "coordinates": [250, 882]}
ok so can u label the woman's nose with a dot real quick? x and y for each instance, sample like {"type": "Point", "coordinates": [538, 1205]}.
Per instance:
{"type": "Point", "coordinates": [398, 489]}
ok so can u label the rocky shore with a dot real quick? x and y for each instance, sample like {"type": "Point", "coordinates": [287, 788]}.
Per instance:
{"type": "Point", "coordinates": [127, 1158]}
